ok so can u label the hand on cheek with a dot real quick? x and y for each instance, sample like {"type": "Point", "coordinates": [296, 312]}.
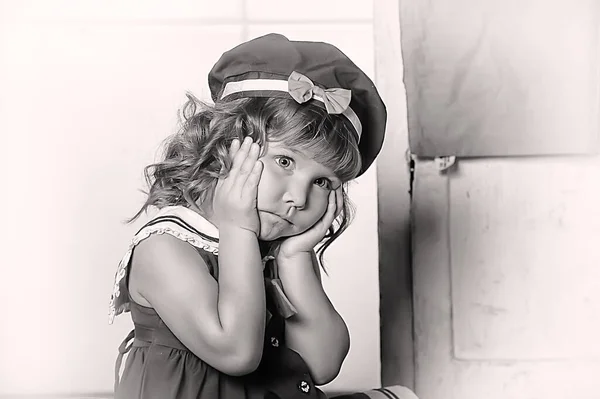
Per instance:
{"type": "Point", "coordinates": [306, 242]}
{"type": "Point", "coordinates": [236, 194]}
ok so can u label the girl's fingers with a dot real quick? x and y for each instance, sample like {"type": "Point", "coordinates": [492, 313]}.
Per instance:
{"type": "Point", "coordinates": [239, 152]}
{"type": "Point", "coordinates": [248, 163]}
{"type": "Point", "coordinates": [330, 213]}
{"type": "Point", "coordinates": [315, 234]}
{"type": "Point", "coordinates": [251, 187]}
{"type": "Point", "coordinates": [234, 147]}
{"type": "Point", "coordinates": [339, 196]}
{"type": "Point", "coordinates": [332, 202]}
{"type": "Point", "coordinates": [321, 227]}
{"type": "Point", "coordinates": [241, 155]}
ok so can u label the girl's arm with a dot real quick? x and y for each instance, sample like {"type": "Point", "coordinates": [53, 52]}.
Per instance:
{"type": "Point", "coordinates": [317, 332]}
{"type": "Point", "coordinates": [223, 324]}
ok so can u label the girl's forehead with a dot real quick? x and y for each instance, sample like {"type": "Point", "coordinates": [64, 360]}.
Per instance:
{"type": "Point", "coordinates": [282, 146]}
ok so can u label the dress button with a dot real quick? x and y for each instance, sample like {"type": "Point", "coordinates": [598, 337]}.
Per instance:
{"type": "Point", "coordinates": [304, 386]}
{"type": "Point", "coordinates": [274, 342]}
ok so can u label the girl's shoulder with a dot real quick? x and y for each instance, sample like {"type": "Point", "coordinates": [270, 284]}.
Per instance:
{"type": "Point", "coordinates": [181, 223]}
{"type": "Point", "coordinates": [171, 227]}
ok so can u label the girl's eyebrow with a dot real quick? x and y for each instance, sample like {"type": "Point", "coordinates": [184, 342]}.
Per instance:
{"type": "Point", "coordinates": [288, 151]}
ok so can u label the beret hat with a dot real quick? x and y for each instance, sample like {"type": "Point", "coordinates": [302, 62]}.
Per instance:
{"type": "Point", "coordinates": [274, 66]}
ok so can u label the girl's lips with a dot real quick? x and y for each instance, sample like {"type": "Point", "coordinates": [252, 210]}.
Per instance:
{"type": "Point", "coordinates": [285, 218]}
{"type": "Point", "coordinates": [279, 216]}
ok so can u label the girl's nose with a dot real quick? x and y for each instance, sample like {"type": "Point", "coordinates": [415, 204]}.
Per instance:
{"type": "Point", "coordinates": [296, 194]}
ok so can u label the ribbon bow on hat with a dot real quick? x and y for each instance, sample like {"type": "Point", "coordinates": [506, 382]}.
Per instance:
{"type": "Point", "coordinates": [303, 89]}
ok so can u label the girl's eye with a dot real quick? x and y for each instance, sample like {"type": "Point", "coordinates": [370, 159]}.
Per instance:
{"type": "Point", "coordinates": [323, 183]}
{"type": "Point", "coordinates": [284, 162]}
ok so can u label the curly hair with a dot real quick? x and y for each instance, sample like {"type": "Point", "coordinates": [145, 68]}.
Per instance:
{"type": "Point", "coordinates": [197, 155]}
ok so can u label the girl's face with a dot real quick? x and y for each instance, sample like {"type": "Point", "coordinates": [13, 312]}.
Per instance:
{"type": "Point", "coordinates": [292, 193]}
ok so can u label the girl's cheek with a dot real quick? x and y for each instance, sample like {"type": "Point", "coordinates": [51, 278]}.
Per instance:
{"type": "Point", "coordinates": [320, 202]}
{"type": "Point", "coordinates": [268, 174]}
{"type": "Point", "coordinates": [267, 185]}
{"type": "Point", "coordinates": [267, 167]}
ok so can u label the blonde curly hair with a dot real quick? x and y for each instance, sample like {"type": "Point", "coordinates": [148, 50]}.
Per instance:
{"type": "Point", "coordinates": [197, 155]}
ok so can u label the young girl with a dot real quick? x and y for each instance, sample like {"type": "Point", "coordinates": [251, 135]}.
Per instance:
{"type": "Point", "coordinates": [223, 283]}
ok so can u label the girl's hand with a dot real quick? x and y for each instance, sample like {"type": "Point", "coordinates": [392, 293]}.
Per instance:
{"type": "Point", "coordinates": [306, 242]}
{"type": "Point", "coordinates": [234, 202]}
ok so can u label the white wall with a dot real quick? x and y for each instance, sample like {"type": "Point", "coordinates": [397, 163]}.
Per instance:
{"type": "Point", "coordinates": [87, 92]}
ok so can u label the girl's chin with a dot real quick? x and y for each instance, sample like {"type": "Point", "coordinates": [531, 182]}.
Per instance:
{"type": "Point", "coordinates": [269, 232]}
{"type": "Point", "coordinates": [272, 227]}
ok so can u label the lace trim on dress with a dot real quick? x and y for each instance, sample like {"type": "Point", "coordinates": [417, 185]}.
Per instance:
{"type": "Point", "coordinates": [119, 304]}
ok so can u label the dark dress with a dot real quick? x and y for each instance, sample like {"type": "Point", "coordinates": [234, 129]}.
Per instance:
{"type": "Point", "coordinates": [158, 365]}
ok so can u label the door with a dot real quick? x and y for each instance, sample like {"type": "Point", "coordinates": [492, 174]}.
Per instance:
{"type": "Point", "coordinates": [507, 279]}
{"type": "Point", "coordinates": [506, 254]}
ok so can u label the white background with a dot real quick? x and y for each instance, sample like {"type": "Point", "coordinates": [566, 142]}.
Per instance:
{"type": "Point", "coordinates": [88, 90]}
